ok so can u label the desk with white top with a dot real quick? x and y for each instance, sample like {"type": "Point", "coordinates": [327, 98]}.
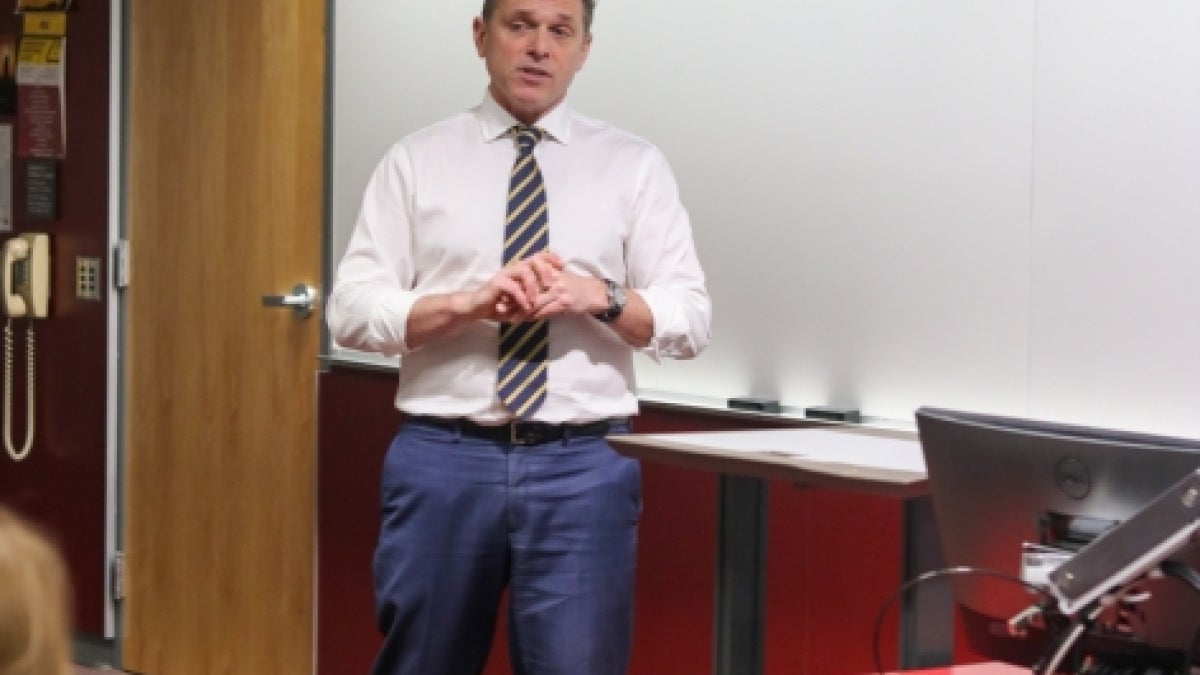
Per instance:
{"type": "Point", "coordinates": [850, 458]}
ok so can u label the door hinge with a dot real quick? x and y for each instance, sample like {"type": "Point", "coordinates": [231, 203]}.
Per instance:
{"type": "Point", "coordinates": [117, 571]}
{"type": "Point", "coordinates": [120, 264]}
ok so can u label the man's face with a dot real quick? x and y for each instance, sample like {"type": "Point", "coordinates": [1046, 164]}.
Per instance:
{"type": "Point", "coordinates": [532, 48]}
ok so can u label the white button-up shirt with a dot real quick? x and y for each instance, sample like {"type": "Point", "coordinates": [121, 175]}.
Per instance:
{"type": "Point", "coordinates": [432, 221]}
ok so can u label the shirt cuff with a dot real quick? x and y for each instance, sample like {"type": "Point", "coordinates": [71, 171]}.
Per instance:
{"type": "Point", "coordinates": [672, 337]}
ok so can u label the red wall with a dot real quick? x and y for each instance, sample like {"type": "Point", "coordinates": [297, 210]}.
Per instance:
{"type": "Point", "coordinates": [61, 486]}
{"type": "Point", "coordinates": [356, 422]}
{"type": "Point", "coordinates": [833, 558]}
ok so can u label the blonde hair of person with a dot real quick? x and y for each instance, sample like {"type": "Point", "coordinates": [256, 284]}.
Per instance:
{"type": "Point", "coordinates": [34, 602]}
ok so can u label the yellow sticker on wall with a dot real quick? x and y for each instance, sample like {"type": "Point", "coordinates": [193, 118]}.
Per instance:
{"type": "Point", "coordinates": [46, 23]}
{"type": "Point", "coordinates": [39, 50]}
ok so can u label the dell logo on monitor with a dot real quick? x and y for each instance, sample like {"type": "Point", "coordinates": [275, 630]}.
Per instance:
{"type": "Point", "coordinates": [1072, 477]}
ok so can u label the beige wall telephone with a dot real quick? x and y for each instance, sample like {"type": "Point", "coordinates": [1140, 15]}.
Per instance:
{"type": "Point", "coordinates": [26, 276]}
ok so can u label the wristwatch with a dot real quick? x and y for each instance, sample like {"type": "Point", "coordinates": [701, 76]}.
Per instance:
{"type": "Point", "coordinates": [616, 302]}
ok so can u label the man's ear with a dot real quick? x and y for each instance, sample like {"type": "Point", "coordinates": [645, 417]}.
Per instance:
{"type": "Point", "coordinates": [479, 30]}
{"type": "Point", "coordinates": [587, 49]}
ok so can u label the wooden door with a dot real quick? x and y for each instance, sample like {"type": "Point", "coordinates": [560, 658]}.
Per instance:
{"type": "Point", "coordinates": [225, 164]}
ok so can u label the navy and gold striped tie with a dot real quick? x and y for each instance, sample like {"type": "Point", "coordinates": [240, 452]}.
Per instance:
{"type": "Point", "coordinates": [521, 382]}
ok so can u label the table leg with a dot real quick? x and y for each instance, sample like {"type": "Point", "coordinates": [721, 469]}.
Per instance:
{"type": "Point", "coordinates": [741, 575]}
{"type": "Point", "coordinates": [927, 612]}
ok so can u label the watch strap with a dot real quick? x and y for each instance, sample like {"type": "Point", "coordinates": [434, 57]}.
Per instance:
{"type": "Point", "coordinates": [616, 303]}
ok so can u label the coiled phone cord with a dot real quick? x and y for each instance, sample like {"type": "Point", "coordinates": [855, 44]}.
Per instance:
{"type": "Point", "coordinates": [29, 391]}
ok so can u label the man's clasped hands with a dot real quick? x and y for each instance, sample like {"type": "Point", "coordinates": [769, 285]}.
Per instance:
{"type": "Point", "coordinates": [538, 287]}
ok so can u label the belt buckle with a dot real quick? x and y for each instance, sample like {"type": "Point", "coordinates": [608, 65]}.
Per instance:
{"type": "Point", "coordinates": [515, 437]}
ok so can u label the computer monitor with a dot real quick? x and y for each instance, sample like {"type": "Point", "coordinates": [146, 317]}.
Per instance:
{"type": "Point", "coordinates": [999, 484]}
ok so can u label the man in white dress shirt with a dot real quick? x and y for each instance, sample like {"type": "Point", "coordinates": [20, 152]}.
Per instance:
{"type": "Point", "coordinates": [482, 492]}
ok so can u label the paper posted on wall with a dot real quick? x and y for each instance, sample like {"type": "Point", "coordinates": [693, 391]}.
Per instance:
{"type": "Point", "coordinates": [41, 99]}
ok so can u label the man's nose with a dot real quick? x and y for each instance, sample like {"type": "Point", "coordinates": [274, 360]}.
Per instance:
{"type": "Point", "coordinates": [539, 43]}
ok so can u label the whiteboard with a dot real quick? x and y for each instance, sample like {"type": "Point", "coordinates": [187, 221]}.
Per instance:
{"type": "Point", "coordinates": [975, 204]}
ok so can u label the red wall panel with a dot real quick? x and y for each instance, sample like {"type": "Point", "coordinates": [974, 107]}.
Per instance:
{"type": "Point", "coordinates": [355, 425]}
{"type": "Point", "coordinates": [61, 486]}
{"type": "Point", "coordinates": [833, 560]}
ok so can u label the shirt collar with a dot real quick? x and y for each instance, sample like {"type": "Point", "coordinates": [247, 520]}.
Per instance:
{"type": "Point", "coordinates": [495, 121]}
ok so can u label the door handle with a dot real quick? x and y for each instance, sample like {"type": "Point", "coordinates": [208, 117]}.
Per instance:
{"type": "Point", "coordinates": [300, 300]}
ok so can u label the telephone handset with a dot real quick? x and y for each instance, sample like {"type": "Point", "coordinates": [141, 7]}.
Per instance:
{"type": "Point", "coordinates": [26, 281]}
{"type": "Point", "coordinates": [27, 275]}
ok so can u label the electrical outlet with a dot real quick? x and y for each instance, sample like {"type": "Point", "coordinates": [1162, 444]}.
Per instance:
{"type": "Point", "coordinates": [87, 278]}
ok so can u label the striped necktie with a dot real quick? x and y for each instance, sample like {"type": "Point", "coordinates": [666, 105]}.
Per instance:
{"type": "Point", "coordinates": [521, 382]}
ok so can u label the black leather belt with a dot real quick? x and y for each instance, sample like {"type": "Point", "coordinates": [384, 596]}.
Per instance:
{"type": "Point", "coordinates": [517, 433]}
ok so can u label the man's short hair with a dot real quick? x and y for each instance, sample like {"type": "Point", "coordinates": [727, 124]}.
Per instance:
{"type": "Point", "coordinates": [589, 8]}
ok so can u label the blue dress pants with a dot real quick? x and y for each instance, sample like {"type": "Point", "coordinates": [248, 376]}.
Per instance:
{"type": "Point", "coordinates": [463, 518]}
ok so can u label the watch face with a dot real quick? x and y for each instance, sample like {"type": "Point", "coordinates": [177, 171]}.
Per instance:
{"type": "Point", "coordinates": [618, 298]}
